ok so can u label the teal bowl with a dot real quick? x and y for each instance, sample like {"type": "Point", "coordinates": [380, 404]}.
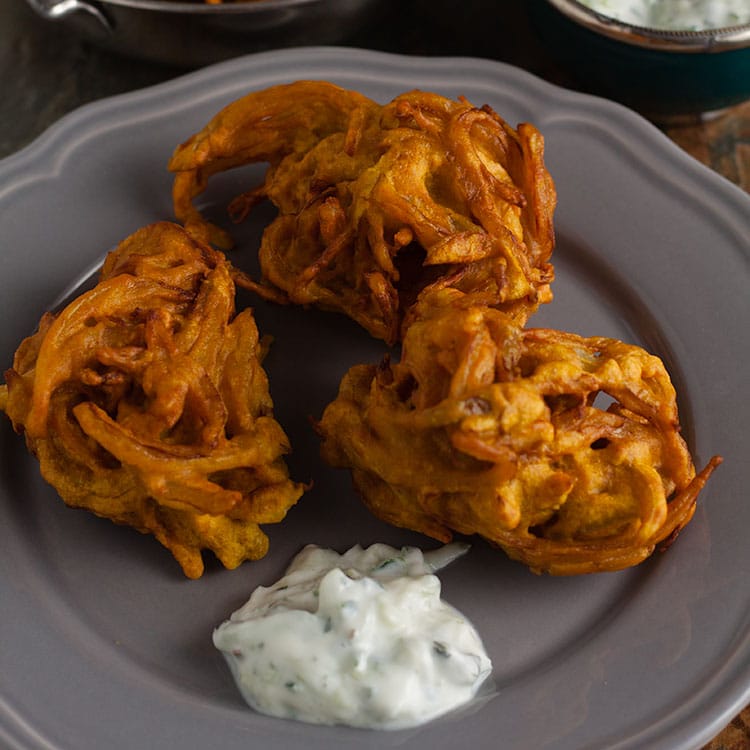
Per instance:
{"type": "Point", "coordinates": [665, 75]}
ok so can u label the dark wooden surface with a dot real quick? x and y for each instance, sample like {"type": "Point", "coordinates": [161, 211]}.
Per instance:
{"type": "Point", "coordinates": [46, 72]}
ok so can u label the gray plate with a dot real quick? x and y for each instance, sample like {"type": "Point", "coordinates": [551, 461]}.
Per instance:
{"type": "Point", "coordinates": [103, 643]}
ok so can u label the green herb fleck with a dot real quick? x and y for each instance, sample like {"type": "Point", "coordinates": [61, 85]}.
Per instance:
{"type": "Point", "coordinates": [441, 649]}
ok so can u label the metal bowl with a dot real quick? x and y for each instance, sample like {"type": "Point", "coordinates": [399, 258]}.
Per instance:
{"type": "Point", "coordinates": [666, 75]}
{"type": "Point", "coordinates": [191, 34]}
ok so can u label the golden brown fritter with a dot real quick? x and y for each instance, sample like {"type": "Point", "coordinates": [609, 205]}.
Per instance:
{"type": "Point", "coordinates": [145, 402]}
{"type": "Point", "coordinates": [486, 428]}
{"type": "Point", "coordinates": [378, 203]}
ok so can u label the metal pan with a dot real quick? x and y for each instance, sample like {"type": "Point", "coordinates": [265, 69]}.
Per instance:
{"type": "Point", "coordinates": [191, 34]}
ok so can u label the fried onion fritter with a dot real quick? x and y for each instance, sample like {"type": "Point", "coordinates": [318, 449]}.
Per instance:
{"type": "Point", "coordinates": [486, 428]}
{"type": "Point", "coordinates": [377, 204]}
{"type": "Point", "coordinates": [145, 402]}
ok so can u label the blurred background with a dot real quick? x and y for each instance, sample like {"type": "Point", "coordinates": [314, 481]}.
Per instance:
{"type": "Point", "coordinates": [49, 67]}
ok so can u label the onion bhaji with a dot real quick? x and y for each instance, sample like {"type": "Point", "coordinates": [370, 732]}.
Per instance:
{"type": "Point", "coordinates": [429, 222]}
{"type": "Point", "coordinates": [379, 203]}
{"type": "Point", "coordinates": [484, 427]}
{"type": "Point", "coordinates": [145, 401]}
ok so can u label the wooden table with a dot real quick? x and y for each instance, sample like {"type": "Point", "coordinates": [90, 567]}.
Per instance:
{"type": "Point", "coordinates": [46, 73]}
{"type": "Point", "coordinates": [722, 143]}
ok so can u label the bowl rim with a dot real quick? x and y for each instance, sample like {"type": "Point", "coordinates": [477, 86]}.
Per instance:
{"type": "Point", "coordinates": [202, 8]}
{"type": "Point", "coordinates": [705, 40]}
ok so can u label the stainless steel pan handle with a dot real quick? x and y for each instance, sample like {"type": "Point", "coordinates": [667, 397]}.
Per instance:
{"type": "Point", "coordinates": [57, 9]}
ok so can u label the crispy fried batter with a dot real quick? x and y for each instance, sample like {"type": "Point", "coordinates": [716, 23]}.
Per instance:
{"type": "Point", "coordinates": [145, 402]}
{"type": "Point", "coordinates": [377, 203]}
{"type": "Point", "coordinates": [426, 220]}
{"type": "Point", "coordinates": [486, 428]}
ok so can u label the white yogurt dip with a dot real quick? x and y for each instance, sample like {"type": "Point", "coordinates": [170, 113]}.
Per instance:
{"type": "Point", "coordinates": [361, 639]}
{"type": "Point", "coordinates": [675, 15]}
